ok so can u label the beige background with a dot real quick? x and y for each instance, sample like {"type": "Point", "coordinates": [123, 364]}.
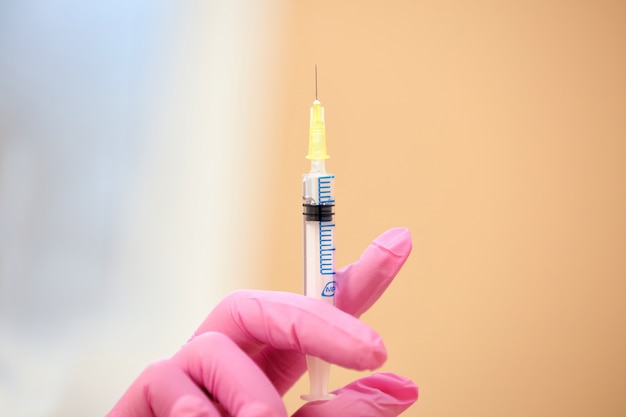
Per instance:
{"type": "Point", "coordinates": [495, 131]}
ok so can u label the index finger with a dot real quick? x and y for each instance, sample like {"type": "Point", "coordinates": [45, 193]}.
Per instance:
{"type": "Point", "coordinates": [364, 281]}
{"type": "Point", "coordinates": [359, 285]}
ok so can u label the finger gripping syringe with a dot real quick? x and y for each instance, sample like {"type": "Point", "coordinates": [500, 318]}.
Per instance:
{"type": "Point", "coordinates": [318, 203]}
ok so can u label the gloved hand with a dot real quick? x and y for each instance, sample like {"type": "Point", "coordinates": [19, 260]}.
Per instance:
{"type": "Point", "coordinates": [251, 349]}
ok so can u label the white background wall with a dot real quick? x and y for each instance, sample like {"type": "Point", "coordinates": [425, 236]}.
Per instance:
{"type": "Point", "coordinates": [132, 143]}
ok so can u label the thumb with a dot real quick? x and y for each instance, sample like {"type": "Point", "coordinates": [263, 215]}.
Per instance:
{"type": "Point", "coordinates": [378, 395]}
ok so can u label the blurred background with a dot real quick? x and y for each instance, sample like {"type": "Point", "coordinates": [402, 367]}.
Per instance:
{"type": "Point", "coordinates": [134, 137]}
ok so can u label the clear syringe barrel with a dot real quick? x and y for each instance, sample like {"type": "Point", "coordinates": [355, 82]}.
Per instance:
{"type": "Point", "coordinates": [318, 210]}
{"type": "Point", "coordinates": [318, 204]}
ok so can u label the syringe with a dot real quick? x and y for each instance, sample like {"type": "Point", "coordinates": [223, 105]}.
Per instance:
{"type": "Point", "coordinates": [318, 202]}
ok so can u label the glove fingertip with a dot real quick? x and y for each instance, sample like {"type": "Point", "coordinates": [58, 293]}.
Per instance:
{"type": "Point", "coordinates": [400, 388]}
{"type": "Point", "coordinates": [382, 395]}
{"type": "Point", "coordinates": [396, 241]}
{"type": "Point", "coordinates": [363, 282]}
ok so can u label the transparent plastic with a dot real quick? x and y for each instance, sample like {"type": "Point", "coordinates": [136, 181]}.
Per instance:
{"type": "Point", "coordinates": [318, 194]}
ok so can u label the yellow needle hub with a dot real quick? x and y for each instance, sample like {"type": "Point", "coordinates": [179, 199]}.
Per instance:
{"type": "Point", "coordinates": [317, 133]}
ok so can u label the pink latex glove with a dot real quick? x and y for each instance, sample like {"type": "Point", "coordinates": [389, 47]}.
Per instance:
{"type": "Point", "coordinates": [251, 349]}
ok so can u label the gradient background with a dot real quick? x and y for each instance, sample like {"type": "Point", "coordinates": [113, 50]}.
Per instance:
{"type": "Point", "coordinates": [495, 131]}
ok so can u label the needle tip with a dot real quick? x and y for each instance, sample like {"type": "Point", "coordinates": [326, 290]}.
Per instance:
{"type": "Point", "coordinates": [315, 81]}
